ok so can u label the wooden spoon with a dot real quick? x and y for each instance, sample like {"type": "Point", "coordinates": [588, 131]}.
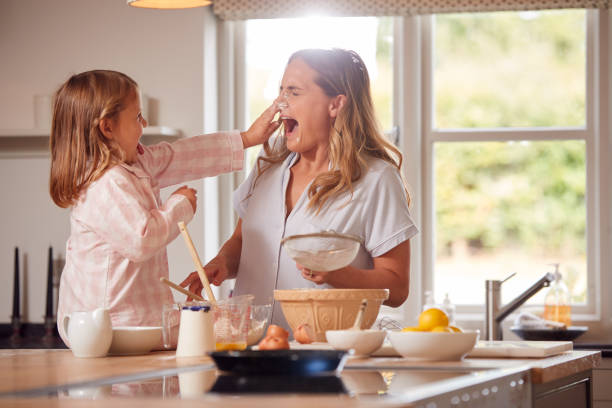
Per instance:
{"type": "Point", "coordinates": [181, 289]}
{"type": "Point", "coordinates": [197, 262]}
{"type": "Point", "coordinates": [359, 318]}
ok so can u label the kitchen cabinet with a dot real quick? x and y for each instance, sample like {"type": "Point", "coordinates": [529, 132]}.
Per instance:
{"type": "Point", "coordinates": [574, 391]}
{"type": "Point", "coordinates": [602, 381]}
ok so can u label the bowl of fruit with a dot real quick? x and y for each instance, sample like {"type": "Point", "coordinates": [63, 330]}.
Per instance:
{"type": "Point", "coordinates": [433, 339]}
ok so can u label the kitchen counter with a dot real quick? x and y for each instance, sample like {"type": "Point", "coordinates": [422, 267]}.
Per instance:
{"type": "Point", "coordinates": [159, 379]}
{"type": "Point", "coordinates": [542, 370]}
{"type": "Point", "coordinates": [606, 349]}
{"type": "Point", "coordinates": [40, 368]}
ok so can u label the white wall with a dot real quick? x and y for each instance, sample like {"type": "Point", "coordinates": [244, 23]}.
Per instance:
{"type": "Point", "coordinates": [41, 44]}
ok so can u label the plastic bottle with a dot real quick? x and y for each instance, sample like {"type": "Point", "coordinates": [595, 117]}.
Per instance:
{"type": "Point", "coordinates": [449, 308]}
{"type": "Point", "coordinates": [557, 305]}
{"type": "Point", "coordinates": [429, 300]}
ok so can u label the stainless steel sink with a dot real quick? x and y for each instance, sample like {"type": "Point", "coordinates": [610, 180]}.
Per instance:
{"type": "Point", "coordinates": [606, 349]}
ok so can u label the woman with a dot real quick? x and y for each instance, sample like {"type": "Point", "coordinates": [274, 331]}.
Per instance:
{"type": "Point", "coordinates": [331, 169]}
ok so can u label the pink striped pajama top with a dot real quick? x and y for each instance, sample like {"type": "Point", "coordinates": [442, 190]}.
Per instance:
{"type": "Point", "coordinates": [119, 229]}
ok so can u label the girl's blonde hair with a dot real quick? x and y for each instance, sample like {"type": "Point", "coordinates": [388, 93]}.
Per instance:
{"type": "Point", "coordinates": [356, 133]}
{"type": "Point", "coordinates": [80, 153]}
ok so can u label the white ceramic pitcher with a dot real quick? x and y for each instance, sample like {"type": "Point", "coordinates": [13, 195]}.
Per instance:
{"type": "Point", "coordinates": [90, 333]}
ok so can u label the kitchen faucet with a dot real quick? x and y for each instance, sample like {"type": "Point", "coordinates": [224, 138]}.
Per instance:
{"type": "Point", "coordinates": [495, 314]}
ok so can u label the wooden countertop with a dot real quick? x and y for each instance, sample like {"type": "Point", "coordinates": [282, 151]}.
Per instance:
{"type": "Point", "coordinates": [543, 370]}
{"type": "Point", "coordinates": [29, 369]}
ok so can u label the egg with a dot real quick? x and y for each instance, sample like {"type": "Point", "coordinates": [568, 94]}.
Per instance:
{"type": "Point", "coordinates": [304, 334]}
{"type": "Point", "coordinates": [277, 331]}
{"type": "Point", "coordinates": [274, 343]}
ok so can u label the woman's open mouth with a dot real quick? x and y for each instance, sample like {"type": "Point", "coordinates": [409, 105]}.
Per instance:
{"type": "Point", "coordinates": [290, 125]}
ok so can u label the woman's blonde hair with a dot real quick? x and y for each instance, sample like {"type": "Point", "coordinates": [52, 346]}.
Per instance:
{"type": "Point", "coordinates": [356, 133]}
{"type": "Point", "coordinates": [80, 153]}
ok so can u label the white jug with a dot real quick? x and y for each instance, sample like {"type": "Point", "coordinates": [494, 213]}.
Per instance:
{"type": "Point", "coordinates": [89, 333]}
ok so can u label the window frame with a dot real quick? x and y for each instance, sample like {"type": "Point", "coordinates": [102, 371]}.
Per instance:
{"type": "Point", "coordinates": [412, 109]}
{"type": "Point", "coordinates": [595, 133]}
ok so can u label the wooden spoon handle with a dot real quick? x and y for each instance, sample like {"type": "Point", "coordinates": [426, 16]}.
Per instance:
{"type": "Point", "coordinates": [197, 262]}
{"type": "Point", "coordinates": [359, 318]}
{"type": "Point", "coordinates": [181, 289]}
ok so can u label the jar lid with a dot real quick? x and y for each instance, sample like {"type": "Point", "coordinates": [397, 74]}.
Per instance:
{"type": "Point", "coordinates": [197, 308]}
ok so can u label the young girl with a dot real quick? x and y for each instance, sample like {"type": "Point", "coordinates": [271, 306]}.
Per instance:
{"type": "Point", "coordinates": [119, 226]}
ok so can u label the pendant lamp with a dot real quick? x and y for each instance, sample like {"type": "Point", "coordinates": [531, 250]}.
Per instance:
{"type": "Point", "coordinates": [168, 4]}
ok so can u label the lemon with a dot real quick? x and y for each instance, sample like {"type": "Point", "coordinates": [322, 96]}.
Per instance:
{"type": "Point", "coordinates": [455, 329]}
{"type": "Point", "coordinates": [431, 318]}
{"type": "Point", "coordinates": [411, 328]}
{"type": "Point", "coordinates": [442, 329]}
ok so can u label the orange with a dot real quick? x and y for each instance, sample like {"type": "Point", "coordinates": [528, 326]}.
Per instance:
{"type": "Point", "coordinates": [442, 329]}
{"type": "Point", "coordinates": [411, 328]}
{"type": "Point", "coordinates": [431, 318]}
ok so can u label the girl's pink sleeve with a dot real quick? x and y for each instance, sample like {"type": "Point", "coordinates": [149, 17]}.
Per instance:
{"type": "Point", "coordinates": [115, 210]}
{"type": "Point", "coordinates": [194, 157]}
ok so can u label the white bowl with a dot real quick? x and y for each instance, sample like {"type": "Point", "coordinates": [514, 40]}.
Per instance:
{"type": "Point", "coordinates": [260, 318]}
{"type": "Point", "coordinates": [135, 340]}
{"type": "Point", "coordinates": [322, 251]}
{"type": "Point", "coordinates": [433, 346]}
{"type": "Point", "coordinates": [363, 342]}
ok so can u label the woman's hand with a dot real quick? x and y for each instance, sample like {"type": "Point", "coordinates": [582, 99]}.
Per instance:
{"type": "Point", "coordinates": [262, 128]}
{"type": "Point", "coordinates": [391, 271]}
{"type": "Point", "coordinates": [317, 277]}
{"type": "Point", "coordinates": [193, 284]}
{"type": "Point", "coordinates": [190, 193]}
{"type": "Point", "coordinates": [216, 272]}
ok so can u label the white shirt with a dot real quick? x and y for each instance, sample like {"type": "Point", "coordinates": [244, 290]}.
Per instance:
{"type": "Point", "coordinates": [377, 213]}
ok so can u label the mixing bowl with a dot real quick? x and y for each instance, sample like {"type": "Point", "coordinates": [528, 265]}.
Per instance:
{"type": "Point", "coordinates": [362, 342]}
{"type": "Point", "coordinates": [433, 346]}
{"type": "Point", "coordinates": [135, 340]}
{"type": "Point", "coordinates": [329, 309]}
{"type": "Point", "coordinates": [260, 318]}
{"type": "Point", "coordinates": [322, 251]}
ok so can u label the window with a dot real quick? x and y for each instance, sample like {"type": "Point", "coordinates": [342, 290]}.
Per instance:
{"type": "Point", "coordinates": [503, 123]}
{"type": "Point", "coordinates": [508, 146]}
{"type": "Point", "coordinates": [270, 43]}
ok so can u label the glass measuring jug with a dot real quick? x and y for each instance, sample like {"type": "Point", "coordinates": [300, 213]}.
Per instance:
{"type": "Point", "coordinates": [232, 319]}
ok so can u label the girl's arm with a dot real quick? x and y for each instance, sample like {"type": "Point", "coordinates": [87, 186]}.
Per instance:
{"type": "Point", "coordinates": [207, 155]}
{"type": "Point", "coordinates": [193, 158]}
{"type": "Point", "coordinates": [391, 270]}
{"type": "Point", "coordinates": [121, 213]}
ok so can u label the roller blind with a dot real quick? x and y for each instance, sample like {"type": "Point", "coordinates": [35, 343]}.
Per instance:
{"type": "Point", "coordinates": [251, 9]}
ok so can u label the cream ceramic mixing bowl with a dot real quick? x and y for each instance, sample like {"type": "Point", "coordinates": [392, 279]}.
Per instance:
{"type": "Point", "coordinates": [329, 309]}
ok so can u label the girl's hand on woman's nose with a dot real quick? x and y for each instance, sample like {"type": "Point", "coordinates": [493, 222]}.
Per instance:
{"type": "Point", "coordinates": [262, 128]}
